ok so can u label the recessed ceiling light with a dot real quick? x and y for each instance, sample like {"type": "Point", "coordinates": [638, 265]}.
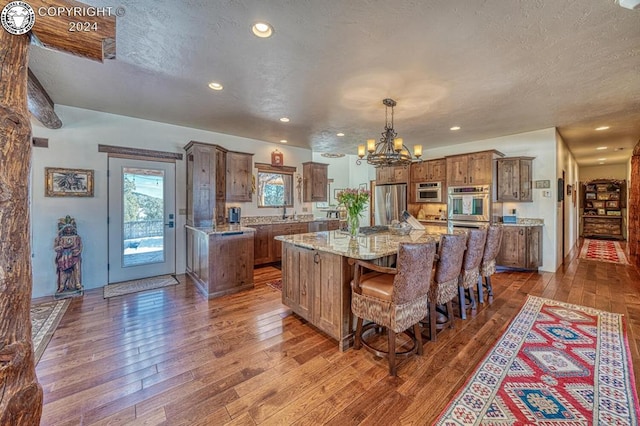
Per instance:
{"type": "Point", "coordinates": [283, 141]}
{"type": "Point", "coordinates": [618, 149]}
{"type": "Point", "coordinates": [454, 128]}
{"type": "Point", "coordinates": [601, 159]}
{"type": "Point", "coordinates": [602, 128]}
{"type": "Point", "coordinates": [600, 148]}
{"type": "Point", "coordinates": [285, 119]}
{"type": "Point", "coordinates": [340, 134]}
{"type": "Point", "coordinates": [215, 85]}
{"type": "Point", "coordinates": [262, 29]}
{"type": "Point", "coordinates": [602, 162]}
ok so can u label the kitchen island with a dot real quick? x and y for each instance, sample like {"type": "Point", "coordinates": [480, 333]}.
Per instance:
{"type": "Point", "coordinates": [316, 274]}
{"type": "Point", "coordinates": [220, 258]}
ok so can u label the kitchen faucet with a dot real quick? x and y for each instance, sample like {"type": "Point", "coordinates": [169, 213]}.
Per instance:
{"type": "Point", "coordinates": [284, 212]}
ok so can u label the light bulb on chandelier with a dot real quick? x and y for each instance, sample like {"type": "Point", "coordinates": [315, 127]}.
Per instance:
{"type": "Point", "coordinates": [390, 150]}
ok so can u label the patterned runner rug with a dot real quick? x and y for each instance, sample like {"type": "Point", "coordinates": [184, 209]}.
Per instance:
{"type": "Point", "coordinates": [603, 251]}
{"type": "Point", "coordinates": [45, 318]}
{"type": "Point", "coordinates": [556, 364]}
{"type": "Point", "coordinates": [134, 286]}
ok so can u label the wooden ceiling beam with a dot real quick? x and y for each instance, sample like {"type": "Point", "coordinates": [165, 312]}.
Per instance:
{"type": "Point", "coordinates": [65, 29]}
{"type": "Point", "coordinates": [40, 104]}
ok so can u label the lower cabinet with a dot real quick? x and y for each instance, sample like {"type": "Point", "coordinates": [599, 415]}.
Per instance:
{"type": "Point", "coordinates": [521, 247]}
{"type": "Point", "coordinates": [599, 226]}
{"type": "Point", "coordinates": [220, 264]}
{"type": "Point", "coordinates": [316, 286]}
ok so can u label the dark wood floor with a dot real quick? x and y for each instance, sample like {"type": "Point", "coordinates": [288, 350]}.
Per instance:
{"type": "Point", "coordinates": [171, 357]}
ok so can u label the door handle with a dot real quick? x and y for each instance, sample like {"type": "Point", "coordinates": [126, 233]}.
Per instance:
{"type": "Point", "coordinates": [170, 224]}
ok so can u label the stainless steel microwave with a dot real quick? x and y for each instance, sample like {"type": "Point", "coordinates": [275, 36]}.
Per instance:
{"type": "Point", "coordinates": [429, 192]}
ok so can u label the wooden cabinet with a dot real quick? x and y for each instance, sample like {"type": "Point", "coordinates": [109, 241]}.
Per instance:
{"type": "Point", "coordinates": [475, 168]}
{"type": "Point", "coordinates": [316, 287]}
{"type": "Point", "coordinates": [428, 171]}
{"type": "Point", "coordinates": [513, 179]}
{"type": "Point", "coordinates": [266, 248]}
{"type": "Point", "coordinates": [315, 181]}
{"type": "Point", "coordinates": [205, 184]}
{"type": "Point", "coordinates": [220, 263]}
{"type": "Point", "coordinates": [603, 202]}
{"type": "Point", "coordinates": [395, 174]}
{"type": "Point", "coordinates": [521, 247]}
{"type": "Point", "coordinates": [238, 176]}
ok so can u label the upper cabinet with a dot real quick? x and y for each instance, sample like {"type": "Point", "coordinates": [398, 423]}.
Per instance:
{"type": "Point", "coordinates": [238, 176]}
{"type": "Point", "coordinates": [513, 179]}
{"type": "Point", "coordinates": [315, 181]}
{"type": "Point", "coordinates": [471, 169]}
{"type": "Point", "coordinates": [205, 184]}
{"type": "Point", "coordinates": [395, 174]}
{"type": "Point", "coordinates": [429, 171]}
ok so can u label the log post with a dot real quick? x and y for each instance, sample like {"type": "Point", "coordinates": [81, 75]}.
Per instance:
{"type": "Point", "coordinates": [633, 227]}
{"type": "Point", "coordinates": [20, 392]}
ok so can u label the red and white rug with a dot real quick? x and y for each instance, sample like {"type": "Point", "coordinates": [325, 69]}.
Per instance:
{"type": "Point", "coordinates": [603, 251]}
{"type": "Point", "coordinates": [557, 364]}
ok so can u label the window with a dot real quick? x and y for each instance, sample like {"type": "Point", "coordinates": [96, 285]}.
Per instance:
{"type": "Point", "coordinates": [275, 186]}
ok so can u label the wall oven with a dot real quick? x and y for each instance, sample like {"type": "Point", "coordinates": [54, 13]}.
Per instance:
{"type": "Point", "coordinates": [429, 192]}
{"type": "Point", "coordinates": [469, 203]}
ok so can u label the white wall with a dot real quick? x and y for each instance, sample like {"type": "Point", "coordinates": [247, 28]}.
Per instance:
{"type": "Point", "coordinates": [75, 145]}
{"type": "Point", "coordinates": [567, 163]}
{"type": "Point", "coordinates": [540, 144]}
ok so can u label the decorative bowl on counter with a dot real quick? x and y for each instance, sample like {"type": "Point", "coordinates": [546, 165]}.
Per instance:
{"type": "Point", "coordinates": [400, 228]}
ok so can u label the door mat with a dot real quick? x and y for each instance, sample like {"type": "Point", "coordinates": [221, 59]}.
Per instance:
{"type": "Point", "coordinates": [276, 285]}
{"type": "Point", "coordinates": [135, 286]}
{"type": "Point", "coordinates": [45, 318]}
{"type": "Point", "coordinates": [603, 251]}
{"type": "Point", "coordinates": [556, 364]}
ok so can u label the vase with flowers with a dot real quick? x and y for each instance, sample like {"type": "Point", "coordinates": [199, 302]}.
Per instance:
{"type": "Point", "coordinates": [354, 201]}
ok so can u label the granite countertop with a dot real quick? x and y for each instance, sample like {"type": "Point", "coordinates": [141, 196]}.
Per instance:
{"type": "Point", "coordinates": [526, 222]}
{"type": "Point", "coordinates": [276, 220]}
{"type": "Point", "coordinates": [368, 247]}
{"type": "Point", "coordinates": [222, 229]}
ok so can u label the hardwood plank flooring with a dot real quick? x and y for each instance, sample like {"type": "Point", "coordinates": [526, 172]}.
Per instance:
{"type": "Point", "coordinates": [171, 357]}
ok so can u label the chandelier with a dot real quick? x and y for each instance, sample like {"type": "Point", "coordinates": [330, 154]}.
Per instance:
{"type": "Point", "coordinates": [390, 150]}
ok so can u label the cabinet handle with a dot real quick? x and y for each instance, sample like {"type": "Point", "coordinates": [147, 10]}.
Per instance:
{"type": "Point", "coordinates": [465, 179]}
{"type": "Point", "coordinates": [521, 232]}
{"type": "Point", "coordinates": [515, 195]}
{"type": "Point", "coordinates": [316, 258]}
{"type": "Point", "coordinates": [470, 179]}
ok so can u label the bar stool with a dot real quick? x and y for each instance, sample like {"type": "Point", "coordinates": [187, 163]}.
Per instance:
{"type": "Point", "coordinates": [471, 269]}
{"type": "Point", "coordinates": [488, 264]}
{"type": "Point", "coordinates": [444, 286]}
{"type": "Point", "coordinates": [394, 298]}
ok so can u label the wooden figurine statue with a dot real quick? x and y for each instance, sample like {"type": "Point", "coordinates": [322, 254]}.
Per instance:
{"type": "Point", "coordinates": [68, 247]}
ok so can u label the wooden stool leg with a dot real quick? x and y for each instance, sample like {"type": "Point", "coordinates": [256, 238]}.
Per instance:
{"type": "Point", "coordinates": [463, 302]}
{"type": "Point", "coordinates": [480, 290]}
{"type": "Point", "coordinates": [450, 313]}
{"type": "Point", "coordinates": [489, 288]}
{"type": "Point", "coordinates": [357, 343]}
{"type": "Point", "coordinates": [418, 333]}
{"type": "Point", "coordinates": [472, 298]}
{"type": "Point", "coordinates": [392, 352]}
{"type": "Point", "coordinates": [432, 321]}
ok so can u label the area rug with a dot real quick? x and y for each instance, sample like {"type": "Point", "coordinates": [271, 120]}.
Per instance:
{"type": "Point", "coordinates": [276, 285]}
{"type": "Point", "coordinates": [135, 286]}
{"type": "Point", "coordinates": [45, 318]}
{"type": "Point", "coordinates": [556, 364]}
{"type": "Point", "coordinates": [603, 251]}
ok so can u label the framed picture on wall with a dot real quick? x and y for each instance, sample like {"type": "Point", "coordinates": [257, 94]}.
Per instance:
{"type": "Point", "coordinates": [362, 187]}
{"type": "Point", "coordinates": [68, 182]}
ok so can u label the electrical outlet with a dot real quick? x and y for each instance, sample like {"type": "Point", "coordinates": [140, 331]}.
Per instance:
{"type": "Point", "coordinates": [182, 212]}
{"type": "Point", "coordinates": [546, 194]}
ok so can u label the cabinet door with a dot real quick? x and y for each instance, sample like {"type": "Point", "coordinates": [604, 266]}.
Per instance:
{"type": "Point", "coordinates": [508, 179]}
{"type": "Point", "coordinates": [400, 174]}
{"type": "Point", "coordinates": [437, 170]}
{"type": "Point", "coordinates": [328, 271]}
{"type": "Point", "coordinates": [221, 172]}
{"type": "Point", "coordinates": [534, 247]}
{"type": "Point", "coordinates": [189, 194]}
{"type": "Point", "coordinates": [238, 176]}
{"type": "Point", "coordinates": [297, 279]}
{"type": "Point", "coordinates": [262, 244]}
{"type": "Point", "coordinates": [457, 170]}
{"type": "Point", "coordinates": [419, 172]}
{"type": "Point", "coordinates": [333, 225]}
{"type": "Point", "coordinates": [526, 177]}
{"type": "Point", "coordinates": [384, 175]}
{"type": "Point", "coordinates": [480, 168]}
{"type": "Point", "coordinates": [203, 185]}
{"type": "Point", "coordinates": [319, 182]}
{"type": "Point", "coordinates": [513, 249]}
{"type": "Point", "coordinates": [276, 230]}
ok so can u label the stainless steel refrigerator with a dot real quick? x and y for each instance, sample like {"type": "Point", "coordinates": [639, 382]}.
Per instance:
{"type": "Point", "coordinates": [390, 201]}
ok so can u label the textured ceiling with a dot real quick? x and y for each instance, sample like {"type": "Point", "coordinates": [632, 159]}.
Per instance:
{"type": "Point", "coordinates": [493, 67]}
